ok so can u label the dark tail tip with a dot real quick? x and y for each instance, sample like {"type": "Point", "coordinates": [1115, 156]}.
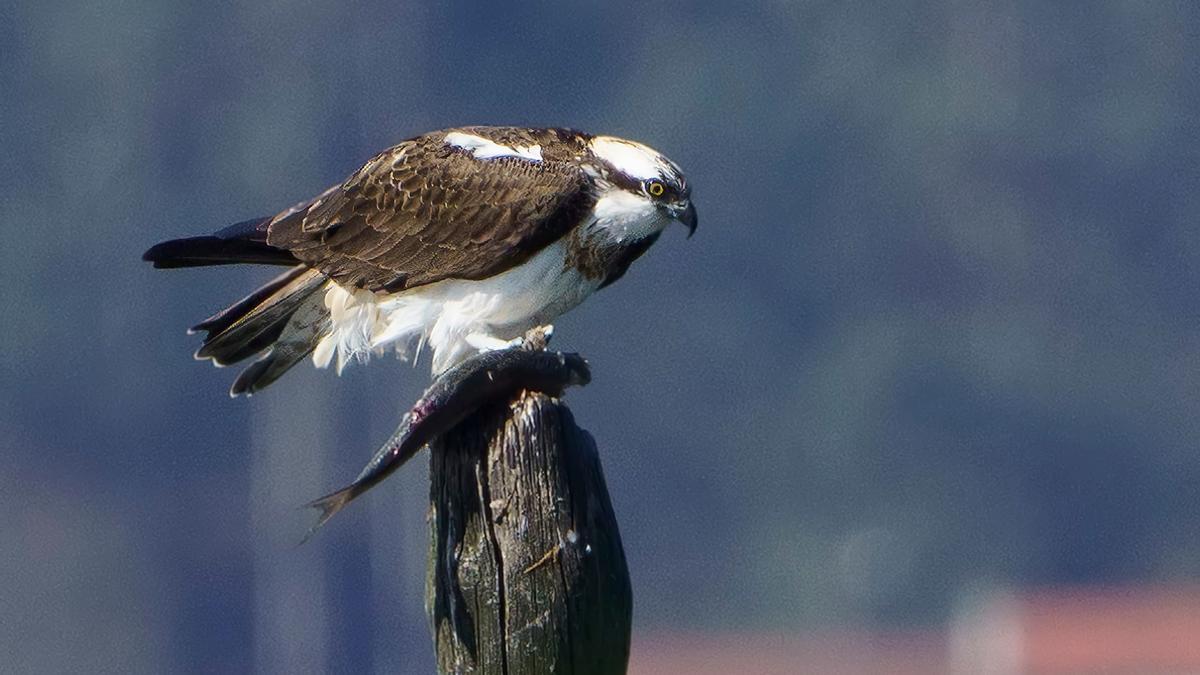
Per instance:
{"type": "Point", "coordinates": [248, 381]}
{"type": "Point", "coordinates": [211, 250]}
{"type": "Point", "coordinates": [165, 255]}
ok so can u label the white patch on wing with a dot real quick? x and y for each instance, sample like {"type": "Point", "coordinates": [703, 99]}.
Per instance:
{"type": "Point", "coordinates": [452, 314]}
{"type": "Point", "coordinates": [483, 148]}
{"type": "Point", "coordinates": [630, 157]}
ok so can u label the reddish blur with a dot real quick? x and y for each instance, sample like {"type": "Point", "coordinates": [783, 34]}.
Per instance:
{"type": "Point", "coordinates": [1122, 630]}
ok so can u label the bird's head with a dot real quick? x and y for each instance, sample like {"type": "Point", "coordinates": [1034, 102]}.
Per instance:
{"type": "Point", "coordinates": [639, 190]}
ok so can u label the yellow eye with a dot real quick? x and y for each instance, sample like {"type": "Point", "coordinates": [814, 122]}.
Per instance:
{"type": "Point", "coordinates": [655, 188]}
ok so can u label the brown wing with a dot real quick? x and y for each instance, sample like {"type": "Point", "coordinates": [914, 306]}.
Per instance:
{"type": "Point", "coordinates": [426, 210]}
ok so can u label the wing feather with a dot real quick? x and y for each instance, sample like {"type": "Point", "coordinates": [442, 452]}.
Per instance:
{"type": "Point", "coordinates": [426, 210]}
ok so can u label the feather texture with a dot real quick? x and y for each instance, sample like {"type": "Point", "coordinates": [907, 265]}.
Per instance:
{"type": "Point", "coordinates": [445, 315]}
{"type": "Point", "coordinates": [460, 239]}
{"type": "Point", "coordinates": [431, 208]}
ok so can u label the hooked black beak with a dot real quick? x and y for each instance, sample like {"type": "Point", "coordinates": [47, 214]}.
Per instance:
{"type": "Point", "coordinates": [688, 218]}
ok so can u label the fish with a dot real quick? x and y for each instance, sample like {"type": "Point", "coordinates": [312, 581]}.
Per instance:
{"type": "Point", "coordinates": [452, 398]}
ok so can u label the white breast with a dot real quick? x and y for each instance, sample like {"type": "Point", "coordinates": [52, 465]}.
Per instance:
{"type": "Point", "coordinates": [443, 314]}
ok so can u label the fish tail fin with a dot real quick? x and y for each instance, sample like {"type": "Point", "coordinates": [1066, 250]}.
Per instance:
{"type": "Point", "coordinates": [328, 506]}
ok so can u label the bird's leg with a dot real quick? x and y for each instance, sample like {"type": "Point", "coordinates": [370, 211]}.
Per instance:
{"type": "Point", "coordinates": [534, 339]}
{"type": "Point", "coordinates": [489, 343]}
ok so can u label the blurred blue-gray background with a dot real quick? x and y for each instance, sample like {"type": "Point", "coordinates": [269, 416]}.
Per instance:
{"type": "Point", "coordinates": [938, 332]}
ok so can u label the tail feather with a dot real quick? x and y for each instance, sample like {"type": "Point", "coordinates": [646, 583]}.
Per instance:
{"type": "Point", "coordinates": [204, 251]}
{"type": "Point", "coordinates": [239, 334]}
{"type": "Point", "coordinates": [225, 318]}
{"type": "Point", "coordinates": [244, 242]}
{"type": "Point", "coordinates": [297, 340]}
{"type": "Point", "coordinates": [239, 348]}
{"type": "Point", "coordinates": [283, 320]}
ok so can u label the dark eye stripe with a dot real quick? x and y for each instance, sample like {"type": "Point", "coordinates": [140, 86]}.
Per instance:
{"type": "Point", "coordinates": [671, 191]}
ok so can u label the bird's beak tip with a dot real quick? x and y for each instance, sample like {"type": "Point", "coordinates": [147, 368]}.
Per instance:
{"type": "Point", "coordinates": [689, 219]}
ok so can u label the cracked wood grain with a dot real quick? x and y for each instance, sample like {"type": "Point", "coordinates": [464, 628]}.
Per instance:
{"type": "Point", "coordinates": [515, 480]}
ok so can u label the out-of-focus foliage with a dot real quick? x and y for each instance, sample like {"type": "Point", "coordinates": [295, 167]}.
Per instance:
{"type": "Point", "coordinates": [938, 329]}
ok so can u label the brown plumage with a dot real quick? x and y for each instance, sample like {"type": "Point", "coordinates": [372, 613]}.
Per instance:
{"type": "Point", "coordinates": [422, 211]}
{"type": "Point", "coordinates": [465, 205]}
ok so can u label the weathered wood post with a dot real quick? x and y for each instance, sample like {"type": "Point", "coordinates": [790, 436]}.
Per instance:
{"type": "Point", "coordinates": [526, 570]}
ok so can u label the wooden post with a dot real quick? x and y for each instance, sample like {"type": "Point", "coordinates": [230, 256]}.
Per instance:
{"type": "Point", "coordinates": [526, 570]}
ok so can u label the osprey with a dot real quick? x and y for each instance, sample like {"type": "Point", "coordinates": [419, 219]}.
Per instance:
{"type": "Point", "coordinates": [462, 239]}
